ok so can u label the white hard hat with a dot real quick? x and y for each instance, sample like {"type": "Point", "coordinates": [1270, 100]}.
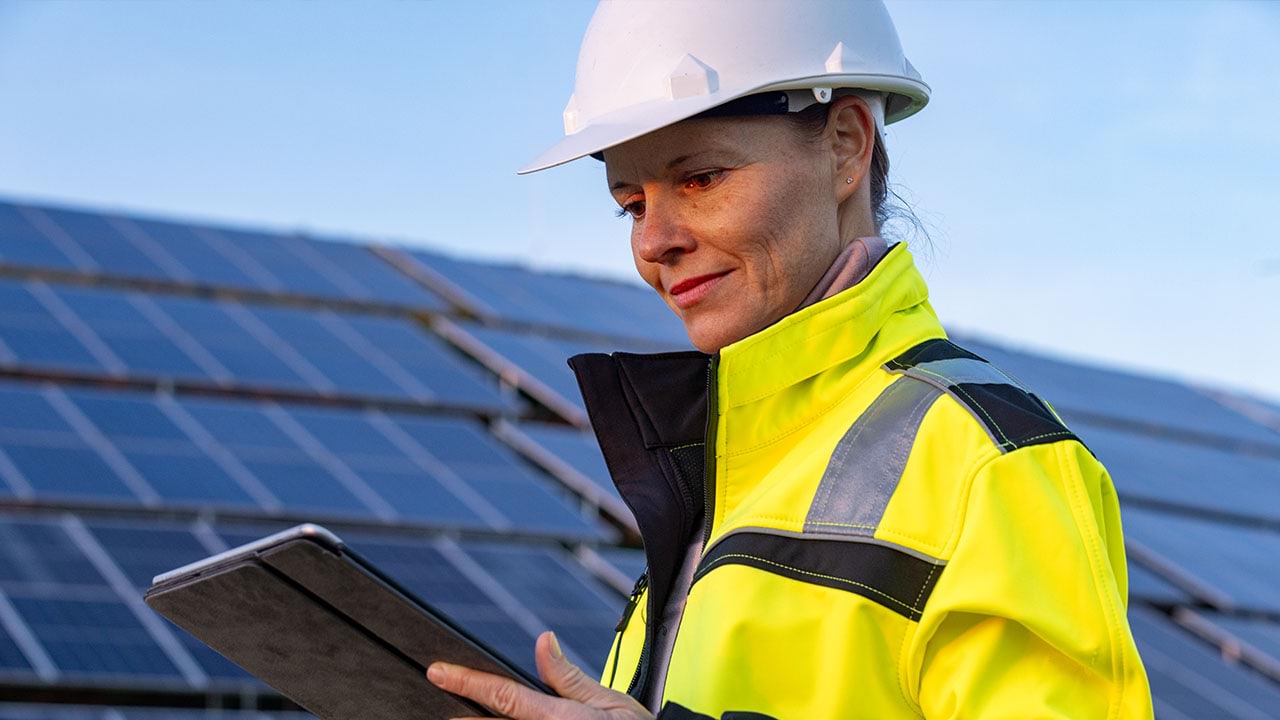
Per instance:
{"type": "Point", "coordinates": [645, 64]}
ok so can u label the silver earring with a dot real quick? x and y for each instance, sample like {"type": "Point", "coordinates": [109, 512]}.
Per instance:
{"type": "Point", "coordinates": [848, 181]}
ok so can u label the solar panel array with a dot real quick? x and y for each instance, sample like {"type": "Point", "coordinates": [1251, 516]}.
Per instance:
{"type": "Point", "coordinates": [169, 390]}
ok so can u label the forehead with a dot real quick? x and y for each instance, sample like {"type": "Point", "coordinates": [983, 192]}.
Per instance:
{"type": "Point", "coordinates": [689, 142]}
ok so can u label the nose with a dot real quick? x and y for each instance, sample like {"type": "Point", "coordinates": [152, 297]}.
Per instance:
{"type": "Point", "coordinates": [661, 236]}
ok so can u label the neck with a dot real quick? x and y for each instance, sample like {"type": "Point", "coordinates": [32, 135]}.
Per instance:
{"type": "Point", "coordinates": [849, 268]}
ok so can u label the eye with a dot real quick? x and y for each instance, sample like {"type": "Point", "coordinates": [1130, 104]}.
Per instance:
{"type": "Point", "coordinates": [703, 180]}
{"type": "Point", "coordinates": [635, 209]}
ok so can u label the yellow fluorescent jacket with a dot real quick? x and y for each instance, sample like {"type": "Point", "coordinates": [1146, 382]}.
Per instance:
{"type": "Point", "coordinates": [897, 528]}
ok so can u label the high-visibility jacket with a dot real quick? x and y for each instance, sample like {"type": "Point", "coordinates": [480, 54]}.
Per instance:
{"type": "Point", "coordinates": [895, 528]}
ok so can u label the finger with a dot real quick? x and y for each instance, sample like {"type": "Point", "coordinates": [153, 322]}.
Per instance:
{"type": "Point", "coordinates": [569, 681]}
{"type": "Point", "coordinates": [504, 696]}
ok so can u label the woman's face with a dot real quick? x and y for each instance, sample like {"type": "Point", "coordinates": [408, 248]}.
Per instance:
{"type": "Point", "coordinates": [733, 220]}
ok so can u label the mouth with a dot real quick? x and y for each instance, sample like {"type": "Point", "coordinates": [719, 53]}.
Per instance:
{"type": "Point", "coordinates": [687, 293]}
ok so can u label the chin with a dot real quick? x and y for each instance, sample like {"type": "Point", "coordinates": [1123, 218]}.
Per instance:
{"type": "Point", "coordinates": [709, 336]}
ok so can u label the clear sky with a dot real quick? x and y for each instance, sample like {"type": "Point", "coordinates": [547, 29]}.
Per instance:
{"type": "Point", "coordinates": [1098, 179]}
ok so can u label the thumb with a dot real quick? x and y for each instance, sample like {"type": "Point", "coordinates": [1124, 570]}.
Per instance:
{"type": "Point", "coordinates": [567, 679]}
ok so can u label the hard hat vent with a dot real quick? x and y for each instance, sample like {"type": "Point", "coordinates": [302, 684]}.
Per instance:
{"type": "Point", "coordinates": [692, 77]}
{"type": "Point", "coordinates": [571, 115]}
{"type": "Point", "coordinates": [843, 60]}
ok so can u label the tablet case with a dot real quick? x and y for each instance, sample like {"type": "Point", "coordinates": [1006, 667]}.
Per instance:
{"type": "Point", "coordinates": [326, 633]}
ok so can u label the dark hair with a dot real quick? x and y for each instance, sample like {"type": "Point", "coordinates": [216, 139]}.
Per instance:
{"type": "Point", "coordinates": [812, 122]}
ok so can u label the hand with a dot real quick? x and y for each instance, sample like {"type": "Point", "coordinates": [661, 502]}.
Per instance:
{"type": "Point", "coordinates": [581, 698]}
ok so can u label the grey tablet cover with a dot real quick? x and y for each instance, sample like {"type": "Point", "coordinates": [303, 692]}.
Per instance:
{"type": "Point", "coordinates": [325, 632]}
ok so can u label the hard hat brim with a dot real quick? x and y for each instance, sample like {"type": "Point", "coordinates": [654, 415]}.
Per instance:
{"type": "Point", "coordinates": [641, 119]}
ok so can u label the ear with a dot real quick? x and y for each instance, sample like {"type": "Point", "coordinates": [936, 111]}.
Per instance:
{"type": "Point", "coordinates": [851, 130]}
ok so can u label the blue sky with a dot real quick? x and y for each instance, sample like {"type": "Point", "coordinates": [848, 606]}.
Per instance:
{"type": "Point", "coordinates": [1098, 179]}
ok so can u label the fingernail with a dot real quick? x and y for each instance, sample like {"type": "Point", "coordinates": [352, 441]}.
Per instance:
{"type": "Point", "coordinates": [556, 652]}
{"type": "Point", "coordinates": [435, 673]}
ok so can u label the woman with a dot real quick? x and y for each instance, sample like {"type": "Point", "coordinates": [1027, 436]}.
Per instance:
{"type": "Point", "coordinates": [844, 514]}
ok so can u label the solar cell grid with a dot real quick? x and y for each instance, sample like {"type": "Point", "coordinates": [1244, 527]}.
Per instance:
{"type": "Point", "coordinates": [1234, 560]}
{"type": "Point", "coordinates": [31, 336]}
{"type": "Point", "coordinates": [12, 661]}
{"type": "Point", "coordinates": [576, 447]}
{"type": "Point", "coordinates": [273, 256]}
{"type": "Point", "coordinates": [368, 277]}
{"type": "Point", "coordinates": [576, 303]}
{"type": "Point", "coordinates": [630, 562]}
{"type": "Point", "coordinates": [203, 263]}
{"type": "Point", "coordinates": [1150, 587]}
{"type": "Point", "coordinates": [23, 245]}
{"type": "Point", "coordinates": [112, 252]}
{"type": "Point", "coordinates": [286, 470]}
{"type": "Point", "coordinates": [231, 344]}
{"type": "Point", "coordinates": [543, 358]}
{"type": "Point", "coordinates": [427, 359]}
{"type": "Point", "coordinates": [143, 348]}
{"type": "Point", "coordinates": [1189, 678]}
{"type": "Point", "coordinates": [1261, 635]}
{"type": "Point", "coordinates": [145, 549]}
{"type": "Point", "coordinates": [343, 365]}
{"type": "Point", "coordinates": [1179, 472]}
{"type": "Point", "coordinates": [496, 474]}
{"type": "Point", "coordinates": [558, 591]}
{"type": "Point", "coordinates": [39, 555]}
{"type": "Point", "coordinates": [94, 636]}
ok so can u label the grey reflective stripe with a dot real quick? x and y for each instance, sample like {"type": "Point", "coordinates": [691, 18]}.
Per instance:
{"type": "Point", "coordinates": [957, 371]}
{"type": "Point", "coordinates": [869, 460]}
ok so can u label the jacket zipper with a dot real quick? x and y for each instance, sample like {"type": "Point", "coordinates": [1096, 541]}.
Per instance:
{"type": "Point", "coordinates": [708, 506]}
{"type": "Point", "coordinates": [709, 451]}
{"type": "Point", "coordinates": [641, 583]}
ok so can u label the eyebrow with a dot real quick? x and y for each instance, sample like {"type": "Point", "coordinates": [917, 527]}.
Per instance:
{"type": "Point", "coordinates": [683, 158]}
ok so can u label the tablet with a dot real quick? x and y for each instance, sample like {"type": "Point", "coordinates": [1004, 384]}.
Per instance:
{"type": "Point", "coordinates": [311, 618]}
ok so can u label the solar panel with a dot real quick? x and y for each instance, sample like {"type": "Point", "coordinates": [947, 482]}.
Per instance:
{"type": "Point", "coordinates": [1189, 680]}
{"type": "Point", "coordinates": [496, 474]}
{"type": "Point", "coordinates": [274, 256]}
{"type": "Point", "coordinates": [350, 365]}
{"type": "Point", "coordinates": [292, 475]}
{"type": "Point", "coordinates": [31, 336]}
{"type": "Point", "coordinates": [111, 251]}
{"type": "Point", "coordinates": [1258, 636]}
{"type": "Point", "coordinates": [12, 661]}
{"type": "Point", "coordinates": [576, 447]}
{"type": "Point", "coordinates": [75, 240]}
{"type": "Point", "coordinates": [145, 549]}
{"type": "Point", "coordinates": [23, 245]}
{"type": "Point", "coordinates": [581, 612]}
{"type": "Point", "coordinates": [543, 358]}
{"type": "Point", "coordinates": [1149, 587]}
{"type": "Point", "coordinates": [1083, 389]}
{"type": "Point", "coordinates": [629, 561]}
{"type": "Point", "coordinates": [201, 263]}
{"type": "Point", "coordinates": [357, 440]}
{"type": "Point", "coordinates": [78, 621]}
{"type": "Point", "coordinates": [39, 555]}
{"type": "Point", "coordinates": [143, 348]}
{"type": "Point", "coordinates": [41, 454]}
{"type": "Point", "coordinates": [427, 359]}
{"type": "Point", "coordinates": [94, 636]}
{"type": "Point", "coordinates": [1180, 472]}
{"type": "Point", "coordinates": [1234, 560]}
{"type": "Point", "coordinates": [575, 303]}
{"type": "Point", "coordinates": [371, 278]}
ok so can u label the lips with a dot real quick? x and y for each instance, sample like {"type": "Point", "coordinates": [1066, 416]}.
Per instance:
{"type": "Point", "coordinates": [688, 292]}
{"type": "Point", "coordinates": [685, 286]}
